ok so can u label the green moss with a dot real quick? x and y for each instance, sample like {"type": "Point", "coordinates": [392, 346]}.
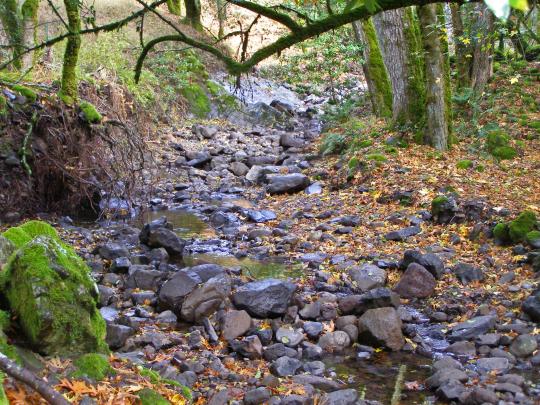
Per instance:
{"type": "Point", "coordinates": [377, 157]}
{"type": "Point", "coordinates": [533, 236]}
{"type": "Point", "coordinates": [90, 113]}
{"type": "Point", "coordinates": [197, 99]}
{"type": "Point", "coordinates": [30, 95]}
{"type": "Point", "coordinates": [464, 164]}
{"type": "Point", "coordinates": [480, 168]}
{"type": "Point", "coordinates": [504, 153]}
{"type": "Point", "coordinates": [500, 232]}
{"type": "Point", "coordinates": [151, 397]}
{"type": "Point", "coordinates": [174, 6]}
{"type": "Point", "coordinates": [5, 320]}
{"type": "Point", "coordinates": [49, 290]}
{"type": "Point", "coordinates": [3, 106]}
{"type": "Point", "coordinates": [92, 365]}
{"type": "Point", "coordinates": [521, 226]}
{"type": "Point", "coordinates": [3, 398]}
{"type": "Point", "coordinates": [437, 203]}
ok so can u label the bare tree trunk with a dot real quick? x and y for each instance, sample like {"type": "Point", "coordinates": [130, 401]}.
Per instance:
{"type": "Point", "coordinates": [483, 48]}
{"type": "Point", "coordinates": [397, 31]}
{"type": "Point", "coordinates": [221, 6]}
{"type": "Point", "coordinates": [436, 131]}
{"type": "Point", "coordinates": [463, 65]}
{"type": "Point", "coordinates": [193, 13]}
{"type": "Point", "coordinates": [379, 86]}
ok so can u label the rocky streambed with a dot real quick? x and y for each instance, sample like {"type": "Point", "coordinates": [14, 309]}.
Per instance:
{"type": "Point", "coordinates": [211, 289]}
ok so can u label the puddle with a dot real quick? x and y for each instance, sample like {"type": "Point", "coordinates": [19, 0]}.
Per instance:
{"type": "Point", "coordinates": [375, 379]}
{"type": "Point", "coordinates": [250, 267]}
{"type": "Point", "coordinates": [185, 223]}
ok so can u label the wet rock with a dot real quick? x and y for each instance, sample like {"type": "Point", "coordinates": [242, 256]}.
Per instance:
{"type": "Point", "coordinates": [318, 382]}
{"type": "Point", "coordinates": [403, 234]}
{"type": "Point", "coordinates": [288, 183]}
{"type": "Point", "coordinates": [430, 261]}
{"type": "Point", "coordinates": [289, 337]}
{"type": "Point", "coordinates": [285, 366]}
{"type": "Point", "coordinates": [111, 251]}
{"type": "Point", "coordinates": [267, 298]}
{"type": "Point", "coordinates": [416, 282]}
{"type": "Point", "coordinates": [381, 326]}
{"type": "Point", "coordinates": [206, 271]}
{"type": "Point", "coordinates": [472, 328]}
{"type": "Point", "coordinates": [174, 290]}
{"type": "Point", "coordinates": [313, 329]}
{"type": "Point", "coordinates": [531, 306]}
{"type": "Point", "coordinates": [493, 364]}
{"type": "Point", "coordinates": [141, 277]}
{"type": "Point", "coordinates": [467, 273]}
{"type": "Point", "coordinates": [278, 350]}
{"type": "Point", "coordinates": [341, 397]}
{"type": "Point", "coordinates": [155, 235]}
{"type": "Point", "coordinates": [376, 298]}
{"type": "Point", "coordinates": [311, 351]}
{"type": "Point", "coordinates": [249, 347]}
{"type": "Point", "coordinates": [523, 346]}
{"type": "Point", "coordinates": [480, 396]}
{"type": "Point", "coordinates": [451, 390]}
{"type": "Point", "coordinates": [334, 341]}
{"type": "Point", "coordinates": [257, 396]}
{"type": "Point", "coordinates": [368, 276]}
{"type": "Point", "coordinates": [314, 367]}
{"type": "Point", "coordinates": [120, 265]}
{"type": "Point", "coordinates": [462, 348]}
{"type": "Point", "coordinates": [206, 299]}
{"type": "Point", "coordinates": [117, 335]}
{"type": "Point", "coordinates": [447, 362]}
{"type": "Point", "coordinates": [315, 188]}
{"type": "Point", "coordinates": [261, 216]}
{"type": "Point", "coordinates": [444, 376]}
{"type": "Point", "coordinates": [488, 339]}
{"type": "Point", "coordinates": [235, 324]}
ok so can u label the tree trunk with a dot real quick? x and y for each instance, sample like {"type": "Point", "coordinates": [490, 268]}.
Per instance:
{"type": "Point", "coordinates": [11, 23]}
{"type": "Point", "coordinates": [221, 6]}
{"type": "Point", "coordinates": [483, 48]}
{"type": "Point", "coordinates": [379, 86]}
{"type": "Point", "coordinates": [174, 6]}
{"type": "Point", "coordinates": [463, 65]}
{"type": "Point", "coordinates": [436, 131]}
{"type": "Point", "coordinates": [193, 13]}
{"type": "Point", "coordinates": [69, 90]}
{"type": "Point", "coordinates": [398, 34]}
{"type": "Point", "coordinates": [29, 25]}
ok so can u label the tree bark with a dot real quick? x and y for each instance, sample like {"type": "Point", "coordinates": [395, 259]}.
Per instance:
{"type": "Point", "coordinates": [399, 40]}
{"type": "Point", "coordinates": [29, 23]}
{"type": "Point", "coordinates": [221, 6]}
{"type": "Point", "coordinates": [379, 86]}
{"type": "Point", "coordinates": [193, 13]}
{"type": "Point", "coordinates": [483, 48]}
{"type": "Point", "coordinates": [174, 6]}
{"type": "Point", "coordinates": [436, 130]}
{"type": "Point", "coordinates": [70, 84]}
{"type": "Point", "coordinates": [11, 22]}
{"type": "Point", "coordinates": [463, 65]}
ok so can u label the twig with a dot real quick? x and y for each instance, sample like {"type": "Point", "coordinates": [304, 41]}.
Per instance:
{"type": "Point", "coordinates": [25, 376]}
{"type": "Point", "coordinates": [396, 396]}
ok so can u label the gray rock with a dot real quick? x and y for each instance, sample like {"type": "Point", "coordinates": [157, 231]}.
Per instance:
{"type": "Point", "coordinates": [257, 396]}
{"type": "Point", "coordinates": [235, 324]}
{"type": "Point", "coordinates": [120, 265]}
{"type": "Point", "coordinates": [278, 350]}
{"type": "Point", "coordinates": [250, 347]}
{"type": "Point", "coordinates": [447, 362]}
{"type": "Point", "coordinates": [289, 337]}
{"type": "Point", "coordinates": [311, 310]}
{"type": "Point", "coordinates": [313, 329]}
{"type": "Point", "coordinates": [444, 376]}
{"type": "Point", "coordinates": [285, 366]}
{"type": "Point", "coordinates": [174, 290]}
{"type": "Point", "coordinates": [334, 341]}
{"type": "Point", "coordinates": [117, 335]}
{"type": "Point", "coordinates": [315, 188]}
{"type": "Point", "coordinates": [261, 216]}
{"type": "Point", "coordinates": [288, 183]}
{"type": "Point", "coordinates": [531, 306]}
{"type": "Point", "coordinates": [206, 299]}
{"type": "Point", "coordinates": [368, 276]}
{"type": "Point", "coordinates": [206, 271]}
{"type": "Point", "coordinates": [523, 346]}
{"type": "Point", "coordinates": [267, 298]}
{"type": "Point", "coordinates": [489, 364]}
{"type": "Point", "coordinates": [376, 298]}
{"type": "Point", "coordinates": [239, 168]}
{"type": "Point", "coordinates": [144, 279]}
{"type": "Point", "coordinates": [403, 234]}
{"type": "Point", "coordinates": [462, 348]}
{"type": "Point", "coordinates": [430, 261]}
{"type": "Point", "coordinates": [472, 328]}
{"type": "Point", "coordinates": [416, 282]}
{"type": "Point", "coordinates": [156, 236]}
{"type": "Point", "coordinates": [480, 396]}
{"type": "Point", "coordinates": [288, 140]}
{"type": "Point", "coordinates": [341, 397]}
{"type": "Point", "coordinates": [451, 390]}
{"type": "Point", "coordinates": [381, 326]}
{"type": "Point", "coordinates": [314, 367]}
{"type": "Point", "coordinates": [467, 273]}
{"type": "Point", "coordinates": [318, 382]}
{"type": "Point", "coordinates": [111, 251]}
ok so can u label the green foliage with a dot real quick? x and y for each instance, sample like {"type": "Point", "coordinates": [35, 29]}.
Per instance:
{"type": "Point", "coordinates": [92, 365]}
{"type": "Point", "coordinates": [197, 99]}
{"type": "Point", "coordinates": [3, 106]}
{"type": "Point", "coordinates": [333, 144]}
{"type": "Point", "coordinates": [504, 153]}
{"type": "Point", "coordinates": [497, 143]}
{"type": "Point", "coordinates": [49, 290]}
{"type": "Point", "coordinates": [29, 94]}
{"type": "Point", "coordinates": [464, 164]}
{"type": "Point", "coordinates": [377, 157]}
{"type": "Point", "coordinates": [151, 397]}
{"type": "Point", "coordinates": [155, 378]}
{"type": "Point", "coordinates": [91, 114]}
{"type": "Point", "coordinates": [463, 95]}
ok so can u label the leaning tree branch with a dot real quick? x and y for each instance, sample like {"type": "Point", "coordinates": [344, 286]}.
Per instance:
{"type": "Point", "coordinates": [268, 12]}
{"type": "Point", "coordinates": [94, 30]}
{"type": "Point", "coordinates": [299, 34]}
{"type": "Point", "coordinates": [25, 376]}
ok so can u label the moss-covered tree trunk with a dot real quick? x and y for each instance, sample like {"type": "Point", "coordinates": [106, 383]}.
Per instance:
{"type": "Point", "coordinates": [70, 83]}
{"type": "Point", "coordinates": [221, 6]}
{"type": "Point", "coordinates": [29, 23]}
{"type": "Point", "coordinates": [174, 6]}
{"type": "Point", "coordinates": [400, 42]}
{"type": "Point", "coordinates": [379, 87]}
{"type": "Point", "coordinates": [436, 130]}
{"type": "Point", "coordinates": [484, 35]}
{"type": "Point", "coordinates": [463, 65]}
{"type": "Point", "coordinates": [11, 22]}
{"type": "Point", "coordinates": [193, 13]}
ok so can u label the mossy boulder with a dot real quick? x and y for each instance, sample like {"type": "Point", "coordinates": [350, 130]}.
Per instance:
{"type": "Point", "coordinates": [500, 232]}
{"type": "Point", "coordinates": [90, 113]}
{"type": "Point", "coordinates": [6, 250]}
{"type": "Point", "coordinates": [444, 209]}
{"type": "Point", "coordinates": [533, 239]}
{"type": "Point", "coordinates": [92, 365]}
{"type": "Point", "coordinates": [498, 144]}
{"type": "Point", "coordinates": [49, 290]}
{"type": "Point", "coordinates": [521, 226]}
{"type": "Point", "coordinates": [151, 397]}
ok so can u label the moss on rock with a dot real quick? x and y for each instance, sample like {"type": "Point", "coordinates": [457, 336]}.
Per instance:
{"type": "Point", "coordinates": [49, 290]}
{"type": "Point", "coordinates": [90, 113]}
{"type": "Point", "coordinates": [521, 226]}
{"type": "Point", "coordinates": [29, 94]}
{"type": "Point", "coordinates": [500, 232]}
{"type": "Point", "coordinates": [533, 237]}
{"type": "Point", "coordinates": [437, 204]}
{"type": "Point", "coordinates": [92, 365]}
{"type": "Point", "coordinates": [504, 153]}
{"type": "Point", "coordinates": [151, 397]}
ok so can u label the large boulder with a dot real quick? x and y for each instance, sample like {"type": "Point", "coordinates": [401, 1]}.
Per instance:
{"type": "Point", "coordinates": [157, 235]}
{"type": "Point", "coordinates": [49, 289]}
{"type": "Point", "coordinates": [416, 282]}
{"type": "Point", "coordinates": [267, 298]}
{"type": "Point", "coordinates": [206, 299]}
{"type": "Point", "coordinates": [430, 261]}
{"type": "Point", "coordinates": [531, 306]}
{"type": "Point", "coordinates": [367, 276]}
{"type": "Point", "coordinates": [287, 183]}
{"type": "Point", "coordinates": [174, 290]}
{"type": "Point", "coordinates": [376, 298]}
{"type": "Point", "coordinates": [381, 326]}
